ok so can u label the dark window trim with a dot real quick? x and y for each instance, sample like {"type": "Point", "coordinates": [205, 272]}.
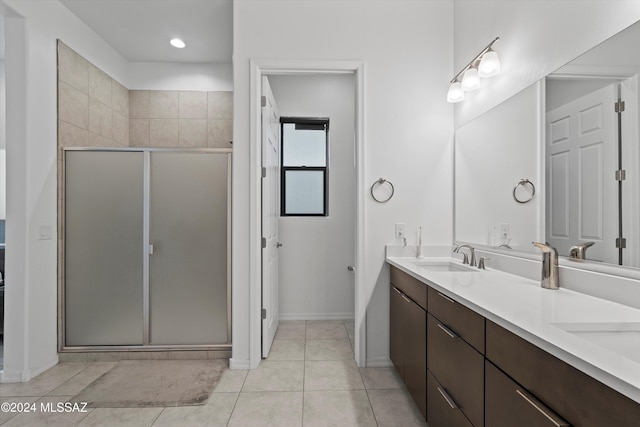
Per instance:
{"type": "Point", "coordinates": [310, 123]}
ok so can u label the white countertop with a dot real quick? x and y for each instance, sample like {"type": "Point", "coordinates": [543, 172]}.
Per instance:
{"type": "Point", "coordinates": [523, 307]}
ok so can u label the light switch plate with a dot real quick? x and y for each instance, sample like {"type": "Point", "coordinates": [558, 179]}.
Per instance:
{"type": "Point", "coordinates": [45, 233]}
{"type": "Point", "coordinates": [400, 230]}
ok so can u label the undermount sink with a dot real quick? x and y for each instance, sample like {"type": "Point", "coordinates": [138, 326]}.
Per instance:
{"type": "Point", "coordinates": [443, 266]}
{"type": "Point", "coordinates": [619, 337]}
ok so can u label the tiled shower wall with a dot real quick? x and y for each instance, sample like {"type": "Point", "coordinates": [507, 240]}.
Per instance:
{"type": "Point", "coordinates": [94, 110]}
{"type": "Point", "coordinates": [180, 119]}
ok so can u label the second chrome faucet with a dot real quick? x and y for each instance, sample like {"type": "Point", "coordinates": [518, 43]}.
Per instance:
{"type": "Point", "coordinates": [549, 278]}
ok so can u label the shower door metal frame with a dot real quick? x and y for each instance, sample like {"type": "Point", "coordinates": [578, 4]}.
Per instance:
{"type": "Point", "coordinates": [146, 345]}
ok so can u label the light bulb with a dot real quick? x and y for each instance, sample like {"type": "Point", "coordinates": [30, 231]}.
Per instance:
{"type": "Point", "coordinates": [455, 93]}
{"type": "Point", "coordinates": [470, 80]}
{"type": "Point", "coordinates": [489, 65]}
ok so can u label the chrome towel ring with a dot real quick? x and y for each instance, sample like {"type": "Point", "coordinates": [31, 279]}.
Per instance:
{"type": "Point", "coordinates": [378, 183]}
{"type": "Point", "coordinates": [524, 183]}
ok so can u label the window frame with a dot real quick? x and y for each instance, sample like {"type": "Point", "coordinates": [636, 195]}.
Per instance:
{"type": "Point", "coordinates": [309, 121]}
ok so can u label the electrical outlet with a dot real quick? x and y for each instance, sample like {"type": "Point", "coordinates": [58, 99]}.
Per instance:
{"type": "Point", "coordinates": [400, 231]}
{"type": "Point", "coordinates": [505, 230]}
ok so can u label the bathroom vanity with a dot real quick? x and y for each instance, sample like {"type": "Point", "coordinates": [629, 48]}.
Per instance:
{"type": "Point", "coordinates": [487, 348]}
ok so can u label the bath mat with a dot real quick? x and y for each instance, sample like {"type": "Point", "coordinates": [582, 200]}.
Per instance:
{"type": "Point", "coordinates": [144, 383]}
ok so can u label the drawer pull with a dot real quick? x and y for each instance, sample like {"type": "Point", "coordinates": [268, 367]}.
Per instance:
{"type": "Point", "coordinates": [448, 398]}
{"type": "Point", "coordinates": [397, 290]}
{"type": "Point", "coordinates": [406, 298]}
{"type": "Point", "coordinates": [448, 331]}
{"type": "Point", "coordinates": [447, 298]}
{"type": "Point", "coordinates": [533, 402]}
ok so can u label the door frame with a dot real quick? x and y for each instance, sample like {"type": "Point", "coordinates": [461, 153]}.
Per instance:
{"type": "Point", "coordinates": [258, 68]}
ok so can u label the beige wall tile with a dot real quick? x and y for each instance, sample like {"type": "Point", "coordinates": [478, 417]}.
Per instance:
{"type": "Point", "coordinates": [193, 133]}
{"type": "Point", "coordinates": [71, 136]}
{"type": "Point", "coordinates": [163, 133]}
{"type": "Point", "coordinates": [96, 140]}
{"type": "Point", "coordinates": [73, 69]}
{"type": "Point", "coordinates": [220, 132]}
{"type": "Point", "coordinates": [220, 105]}
{"type": "Point", "coordinates": [163, 104]}
{"type": "Point", "coordinates": [73, 106]}
{"type": "Point", "coordinates": [139, 104]}
{"type": "Point", "coordinates": [100, 119]}
{"type": "Point", "coordinates": [192, 105]}
{"type": "Point", "coordinates": [139, 132]}
{"type": "Point", "coordinates": [119, 98]}
{"type": "Point", "coordinates": [99, 85]}
{"type": "Point", "coordinates": [120, 129]}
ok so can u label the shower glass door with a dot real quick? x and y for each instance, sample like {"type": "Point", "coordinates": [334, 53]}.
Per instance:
{"type": "Point", "coordinates": [146, 244]}
{"type": "Point", "coordinates": [188, 232]}
{"type": "Point", "coordinates": [103, 258]}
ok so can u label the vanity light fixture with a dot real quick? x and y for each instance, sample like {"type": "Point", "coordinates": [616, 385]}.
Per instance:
{"type": "Point", "coordinates": [485, 64]}
{"type": "Point", "coordinates": [177, 43]}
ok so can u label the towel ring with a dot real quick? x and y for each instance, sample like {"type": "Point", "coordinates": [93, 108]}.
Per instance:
{"type": "Point", "coordinates": [522, 183]}
{"type": "Point", "coordinates": [378, 183]}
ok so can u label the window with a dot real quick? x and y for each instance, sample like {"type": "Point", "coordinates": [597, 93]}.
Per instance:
{"type": "Point", "coordinates": [304, 177]}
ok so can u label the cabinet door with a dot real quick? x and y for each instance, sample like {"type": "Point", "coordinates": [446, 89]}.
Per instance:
{"type": "Point", "coordinates": [396, 330]}
{"type": "Point", "coordinates": [415, 362]}
{"type": "Point", "coordinates": [508, 404]}
{"type": "Point", "coordinates": [442, 409]}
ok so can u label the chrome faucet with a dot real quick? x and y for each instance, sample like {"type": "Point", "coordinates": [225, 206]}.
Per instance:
{"type": "Point", "coordinates": [465, 259]}
{"type": "Point", "coordinates": [579, 251]}
{"type": "Point", "coordinates": [549, 266]}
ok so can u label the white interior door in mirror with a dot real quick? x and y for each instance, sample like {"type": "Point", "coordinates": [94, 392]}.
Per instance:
{"type": "Point", "coordinates": [581, 151]}
{"type": "Point", "coordinates": [492, 154]}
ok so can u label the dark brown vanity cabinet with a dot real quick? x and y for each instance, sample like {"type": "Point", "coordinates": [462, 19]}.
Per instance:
{"type": "Point", "coordinates": [549, 385]}
{"type": "Point", "coordinates": [408, 335]}
{"type": "Point", "coordinates": [464, 370]}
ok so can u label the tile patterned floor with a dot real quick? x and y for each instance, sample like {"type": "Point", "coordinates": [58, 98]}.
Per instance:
{"type": "Point", "coordinates": [309, 379]}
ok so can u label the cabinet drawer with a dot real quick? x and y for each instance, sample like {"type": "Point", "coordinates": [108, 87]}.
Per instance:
{"type": "Point", "coordinates": [507, 404]}
{"type": "Point", "coordinates": [465, 322]}
{"type": "Point", "coordinates": [413, 288]}
{"type": "Point", "coordinates": [574, 395]}
{"type": "Point", "coordinates": [458, 367]}
{"type": "Point", "coordinates": [442, 410]}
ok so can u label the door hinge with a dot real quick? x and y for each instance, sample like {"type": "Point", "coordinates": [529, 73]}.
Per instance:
{"type": "Point", "coordinates": [619, 106]}
{"type": "Point", "coordinates": [263, 101]}
{"type": "Point", "coordinates": [621, 242]}
{"type": "Point", "coordinates": [264, 242]}
{"type": "Point", "coordinates": [264, 313]}
{"type": "Point", "coordinates": [621, 175]}
{"type": "Point", "coordinates": [264, 172]}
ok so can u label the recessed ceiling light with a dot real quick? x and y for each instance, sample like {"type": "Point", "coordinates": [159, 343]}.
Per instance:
{"type": "Point", "coordinates": [177, 43]}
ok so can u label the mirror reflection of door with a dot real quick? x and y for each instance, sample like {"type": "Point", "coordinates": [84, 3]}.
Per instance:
{"type": "Point", "coordinates": [582, 157]}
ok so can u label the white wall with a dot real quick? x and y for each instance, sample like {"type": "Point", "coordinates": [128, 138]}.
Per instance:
{"type": "Point", "coordinates": [314, 281]}
{"type": "Point", "coordinates": [30, 340]}
{"type": "Point", "coordinates": [406, 47]}
{"type": "Point", "coordinates": [179, 76]}
{"type": "Point", "coordinates": [536, 38]}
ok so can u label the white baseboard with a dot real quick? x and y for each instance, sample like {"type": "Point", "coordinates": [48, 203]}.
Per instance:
{"type": "Point", "coordinates": [239, 363]}
{"type": "Point", "coordinates": [28, 374]}
{"type": "Point", "coordinates": [380, 362]}
{"type": "Point", "coordinates": [316, 316]}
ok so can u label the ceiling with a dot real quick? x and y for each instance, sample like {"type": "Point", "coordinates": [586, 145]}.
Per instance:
{"type": "Point", "coordinates": [141, 29]}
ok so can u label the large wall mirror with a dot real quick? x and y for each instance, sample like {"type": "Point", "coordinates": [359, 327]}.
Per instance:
{"type": "Point", "coordinates": [570, 139]}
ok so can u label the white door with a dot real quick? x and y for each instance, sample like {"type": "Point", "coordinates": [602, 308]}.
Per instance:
{"type": "Point", "coordinates": [581, 146]}
{"type": "Point", "coordinates": [270, 208]}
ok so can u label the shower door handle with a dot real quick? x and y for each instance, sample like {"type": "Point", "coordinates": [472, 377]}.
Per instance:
{"type": "Point", "coordinates": [150, 249]}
